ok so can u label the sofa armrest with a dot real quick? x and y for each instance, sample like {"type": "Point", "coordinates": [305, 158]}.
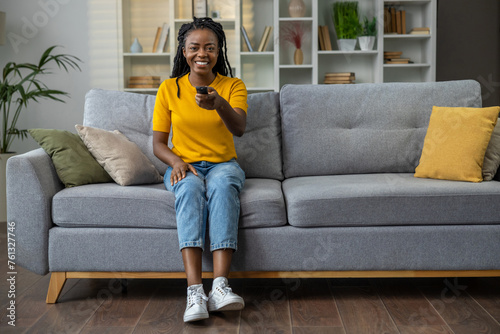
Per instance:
{"type": "Point", "coordinates": [32, 181]}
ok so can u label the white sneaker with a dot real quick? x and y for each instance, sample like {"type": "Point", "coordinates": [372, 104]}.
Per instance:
{"type": "Point", "coordinates": [222, 298]}
{"type": "Point", "coordinates": [196, 306]}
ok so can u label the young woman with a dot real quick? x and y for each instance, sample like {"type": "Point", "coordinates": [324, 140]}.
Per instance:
{"type": "Point", "coordinates": [203, 172]}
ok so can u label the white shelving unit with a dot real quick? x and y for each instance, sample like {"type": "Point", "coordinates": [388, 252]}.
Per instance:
{"type": "Point", "coordinates": [141, 18]}
{"type": "Point", "coordinates": [271, 69]}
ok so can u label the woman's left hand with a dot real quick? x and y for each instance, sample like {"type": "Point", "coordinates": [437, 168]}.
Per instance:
{"type": "Point", "coordinates": [208, 101]}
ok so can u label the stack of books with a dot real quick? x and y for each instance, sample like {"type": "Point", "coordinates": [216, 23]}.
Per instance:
{"type": "Point", "coordinates": [394, 20]}
{"type": "Point", "coordinates": [394, 57]}
{"type": "Point", "coordinates": [325, 42]}
{"type": "Point", "coordinates": [340, 78]}
{"type": "Point", "coordinates": [420, 31]}
{"type": "Point", "coordinates": [144, 82]}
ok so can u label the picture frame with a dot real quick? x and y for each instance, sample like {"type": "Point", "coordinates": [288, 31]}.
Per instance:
{"type": "Point", "coordinates": [199, 8]}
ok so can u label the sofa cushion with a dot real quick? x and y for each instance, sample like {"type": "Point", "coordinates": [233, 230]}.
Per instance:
{"type": "Point", "coordinates": [120, 157]}
{"type": "Point", "coordinates": [362, 128]}
{"type": "Point", "coordinates": [73, 162]}
{"type": "Point", "coordinates": [456, 142]}
{"type": "Point", "coordinates": [110, 205]}
{"type": "Point", "coordinates": [152, 206]}
{"type": "Point", "coordinates": [259, 149]}
{"type": "Point", "coordinates": [388, 199]}
{"type": "Point", "coordinates": [262, 204]}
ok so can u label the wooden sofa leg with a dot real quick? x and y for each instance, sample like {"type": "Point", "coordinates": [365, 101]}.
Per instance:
{"type": "Point", "coordinates": [57, 280]}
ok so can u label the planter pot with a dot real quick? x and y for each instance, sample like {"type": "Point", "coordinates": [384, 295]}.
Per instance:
{"type": "Point", "coordinates": [3, 185]}
{"type": "Point", "coordinates": [346, 44]}
{"type": "Point", "coordinates": [298, 57]}
{"type": "Point", "coordinates": [366, 42]}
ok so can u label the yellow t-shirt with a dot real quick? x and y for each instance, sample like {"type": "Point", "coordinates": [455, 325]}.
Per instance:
{"type": "Point", "coordinates": [197, 134]}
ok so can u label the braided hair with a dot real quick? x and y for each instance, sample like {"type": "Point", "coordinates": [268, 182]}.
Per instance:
{"type": "Point", "coordinates": [181, 66]}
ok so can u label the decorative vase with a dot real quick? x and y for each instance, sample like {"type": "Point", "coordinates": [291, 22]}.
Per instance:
{"type": "Point", "coordinates": [136, 46]}
{"type": "Point", "coordinates": [347, 44]}
{"type": "Point", "coordinates": [366, 42]}
{"type": "Point", "coordinates": [3, 185]}
{"type": "Point", "coordinates": [298, 57]}
{"type": "Point", "coordinates": [297, 8]}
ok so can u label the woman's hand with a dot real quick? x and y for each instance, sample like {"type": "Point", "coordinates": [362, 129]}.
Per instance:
{"type": "Point", "coordinates": [233, 118]}
{"type": "Point", "coordinates": [179, 170]}
{"type": "Point", "coordinates": [208, 101]}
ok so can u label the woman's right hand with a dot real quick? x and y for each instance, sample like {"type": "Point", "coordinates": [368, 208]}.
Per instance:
{"type": "Point", "coordinates": [179, 171]}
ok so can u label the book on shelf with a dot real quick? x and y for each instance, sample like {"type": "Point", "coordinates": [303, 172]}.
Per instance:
{"type": "Point", "coordinates": [398, 61]}
{"type": "Point", "coordinates": [420, 31]}
{"type": "Point", "coordinates": [403, 22]}
{"type": "Point", "coordinates": [398, 22]}
{"type": "Point", "coordinates": [320, 38]}
{"type": "Point", "coordinates": [265, 38]}
{"type": "Point", "coordinates": [147, 81]}
{"type": "Point", "coordinates": [393, 20]}
{"type": "Point", "coordinates": [340, 78]}
{"type": "Point", "coordinates": [326, 38]}
{"type": "Point", "coordinates": [247, 40]}
{"type": "Point", "coordinates": [162, 41]}
{"type": "Point", "coordinates": [387, 20]}
{"type": "Point", "coordinates": [325, 42]}
{"type": "Point", "coordinates": [392, 53]}
{"type": "Point", "coordinates": [157, 39]}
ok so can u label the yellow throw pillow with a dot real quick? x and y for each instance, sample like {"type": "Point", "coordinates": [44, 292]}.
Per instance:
{"type": "Point", "coordinates": [456, 142]}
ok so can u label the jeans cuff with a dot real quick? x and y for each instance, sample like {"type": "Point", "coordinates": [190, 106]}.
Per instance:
{"type": "Point", "coordinates": [197, 244]}
{"type": "Point", "coordinates": [224, 245]}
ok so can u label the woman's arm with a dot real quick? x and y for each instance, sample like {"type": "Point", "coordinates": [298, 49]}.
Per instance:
{"type": "Point", "coordinates": [165, 154]}
{"type": "Point", "coordinates": [233, 118]}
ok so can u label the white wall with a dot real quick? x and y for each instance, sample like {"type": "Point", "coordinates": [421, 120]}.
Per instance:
{"type": "Point", "coordinates": [82, 30]}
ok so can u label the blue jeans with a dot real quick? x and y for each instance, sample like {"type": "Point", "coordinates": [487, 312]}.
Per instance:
{"type": "Point", "coordinates": [212, 195]}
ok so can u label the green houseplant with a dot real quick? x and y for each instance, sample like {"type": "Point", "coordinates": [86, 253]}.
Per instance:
{"type": "Point", "coordinates": [367, 38]}
{"type": "Point", "coordinates": [346, 22]}
{"type": "Point", "coordinates": [20, 84]}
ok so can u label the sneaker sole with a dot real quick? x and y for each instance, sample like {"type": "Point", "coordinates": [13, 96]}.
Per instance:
{"type": "Point", "coordinates": [195, 317]}
{"type": "Point", "coordinates": [229, 305]}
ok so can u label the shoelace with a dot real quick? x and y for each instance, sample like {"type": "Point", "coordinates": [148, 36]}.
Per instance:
{"type": "Point", "coordinates": [223, 289]}
{"type": "Point", "coordinates": [196, 297]}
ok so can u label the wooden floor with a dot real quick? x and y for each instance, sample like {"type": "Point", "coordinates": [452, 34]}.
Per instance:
{"type": "Point", "coordinates": [437, 305]}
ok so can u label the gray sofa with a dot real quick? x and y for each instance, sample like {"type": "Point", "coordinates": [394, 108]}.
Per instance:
{"type": "Point", "coordinates": [330, 192]}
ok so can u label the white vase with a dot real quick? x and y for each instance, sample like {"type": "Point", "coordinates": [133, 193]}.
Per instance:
{"type": "Point", "coordinates": [136, 46]}
{"type": "Point", "coordinates": [346, 44]}
{"type": "Point", "coordinates": [3, 185]}
{"type": "Point", "coordinates": [366, 42]}
{"type": "Point", "coordinates": [297, 8]}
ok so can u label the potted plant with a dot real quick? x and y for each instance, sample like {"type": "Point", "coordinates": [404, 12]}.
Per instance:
{"type": "Point", "coordinates": [19, 85]}
{"type": "Point", "coordinates": [367, 38]}
{"type": "Point", "coordinates": [347, 26]}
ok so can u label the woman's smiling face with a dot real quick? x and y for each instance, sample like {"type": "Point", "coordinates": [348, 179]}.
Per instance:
{"type": "Point", "coordinates": [201, 51]}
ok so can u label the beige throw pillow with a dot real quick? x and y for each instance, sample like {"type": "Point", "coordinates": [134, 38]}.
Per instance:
{"type": "Point", "coordinates": [492, 156]}
{"type": "Point", "coordinates": [121, 158]}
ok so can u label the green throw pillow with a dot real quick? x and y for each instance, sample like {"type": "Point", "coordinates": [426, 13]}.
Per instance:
{"type": "Point", "coordinates": [74, 164]}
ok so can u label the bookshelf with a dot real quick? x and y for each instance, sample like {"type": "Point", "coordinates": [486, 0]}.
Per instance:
{"type": "Point", "coordinates": [141, 19]}
{"type": "Point", "coordinates": [272, 68]}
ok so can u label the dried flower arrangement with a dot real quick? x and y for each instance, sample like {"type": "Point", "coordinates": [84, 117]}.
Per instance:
{"type": "Point", "coordinates": [293, 33]}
